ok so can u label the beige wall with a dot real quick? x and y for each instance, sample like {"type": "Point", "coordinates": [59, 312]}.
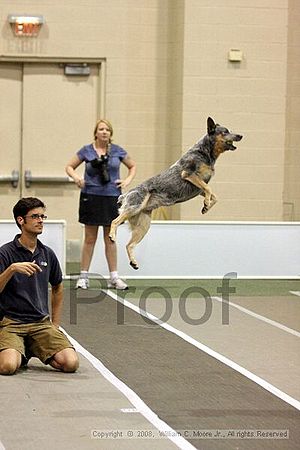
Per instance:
{"type": "Point", "coordinates": [248, 97]}
{"type": "Point", "coordinates": [292, 152]}
{"type": "Point", "coordinates": [166, 70]}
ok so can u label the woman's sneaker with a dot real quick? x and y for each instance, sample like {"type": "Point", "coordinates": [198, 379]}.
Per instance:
{"type": "Point", "coordinates": [82, 283]}
{"type": "Point", "coordinates": [117, 283]}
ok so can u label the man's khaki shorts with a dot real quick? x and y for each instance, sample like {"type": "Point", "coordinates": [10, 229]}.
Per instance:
{"type": "Point", "coordinates": [40, 339]}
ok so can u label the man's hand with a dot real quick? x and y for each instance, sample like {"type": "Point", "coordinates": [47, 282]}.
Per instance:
{"type": "Point", "coordinates": [27, 268]}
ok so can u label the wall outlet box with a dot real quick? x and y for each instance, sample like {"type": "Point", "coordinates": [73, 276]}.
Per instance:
{"type": "Point", "coordinates": [235, 55]}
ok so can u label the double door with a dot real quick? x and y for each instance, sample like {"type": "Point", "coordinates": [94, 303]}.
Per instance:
{"type": "Point", "coordinates": [46, 115]}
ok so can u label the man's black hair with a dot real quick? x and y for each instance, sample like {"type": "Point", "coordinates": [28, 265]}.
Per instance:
{"type": "Point", "coordinates": [24, 205]}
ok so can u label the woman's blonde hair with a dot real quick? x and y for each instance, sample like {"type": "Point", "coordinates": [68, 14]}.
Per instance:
{"type": "Point", "coordinates": [108, 124]}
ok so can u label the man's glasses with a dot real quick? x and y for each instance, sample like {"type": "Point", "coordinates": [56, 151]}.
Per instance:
{"type": "Point", "coordinates": [37, 216]}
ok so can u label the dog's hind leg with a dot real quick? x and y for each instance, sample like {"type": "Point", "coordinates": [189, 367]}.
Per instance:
{"type": "Point", "coordinates": [131, 206]}
{"type": "Point", "coordinates": [114, 225]}
{"type": "Point", "coordinates": [140, 224]}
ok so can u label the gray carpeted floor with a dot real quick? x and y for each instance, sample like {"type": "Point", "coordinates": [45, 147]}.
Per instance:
{"type": "Point", "coordinates": [184, 386]}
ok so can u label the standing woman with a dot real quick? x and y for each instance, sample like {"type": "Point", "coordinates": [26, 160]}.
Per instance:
{"type": "Point", "coordinates": [100, 189]}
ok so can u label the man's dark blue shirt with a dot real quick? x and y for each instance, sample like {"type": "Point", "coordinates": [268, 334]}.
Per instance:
{"type": "Point", "coordinates": [25, 298]}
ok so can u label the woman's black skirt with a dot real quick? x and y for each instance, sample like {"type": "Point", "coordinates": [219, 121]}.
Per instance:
{"type": "Point", "coordinates": [97, 209]}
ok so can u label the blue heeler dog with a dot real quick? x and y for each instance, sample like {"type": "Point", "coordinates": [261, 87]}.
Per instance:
{"type": "Point", "coordinates": [185, 179]}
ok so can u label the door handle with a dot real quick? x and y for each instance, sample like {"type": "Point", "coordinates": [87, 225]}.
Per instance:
{"type": "Point", "coordinates": [13, 178]}
{"type": "Point", "coordinates": [29, 179]}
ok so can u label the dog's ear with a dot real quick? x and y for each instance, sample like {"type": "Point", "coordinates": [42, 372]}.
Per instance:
{"type": "Point", "coordinates": [211, 126]}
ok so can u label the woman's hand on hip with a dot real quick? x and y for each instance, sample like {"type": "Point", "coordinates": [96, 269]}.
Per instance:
{"type": "Point", "coordinates": [80, 182]}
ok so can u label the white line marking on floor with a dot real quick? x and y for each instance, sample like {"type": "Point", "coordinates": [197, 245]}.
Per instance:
{"type": "Point", "coordinates": [2, 446]}
{"type": "Point", "coordinates": [129, 410]}
{"type": "Point", "coordinates": [295, 293]}
{"type": "Point", "coordinates": [132, 397]}
{"type": "Point", "coordinates": [263, 383]}
{"type": "Point", "coordinates": [259, 317]}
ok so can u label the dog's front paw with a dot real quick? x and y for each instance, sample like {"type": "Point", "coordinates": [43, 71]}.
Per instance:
{"type": "Point", "coordinates": [205, 208]}
{"type": "Point", "coordinates": [112, 238]}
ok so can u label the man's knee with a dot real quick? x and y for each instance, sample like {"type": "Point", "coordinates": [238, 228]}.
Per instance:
{"type": "Point", "coordinates": [8, 367]}
{"type": "Point", "coordinates": [71, 361]}
{"type": "Point", "coordinates": [70, 366]}
{"type": "Point", "coordinates": [66, 360]}
{"type": "Point", "coordinates": [10, 361]}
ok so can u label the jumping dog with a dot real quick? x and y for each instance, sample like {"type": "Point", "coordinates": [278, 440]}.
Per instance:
{"type": "Point", "coordinates": [185, 179]}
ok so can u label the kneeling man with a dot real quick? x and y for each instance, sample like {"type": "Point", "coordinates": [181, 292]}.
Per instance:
{"type": "Point", "coordinates": [26, 268]}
